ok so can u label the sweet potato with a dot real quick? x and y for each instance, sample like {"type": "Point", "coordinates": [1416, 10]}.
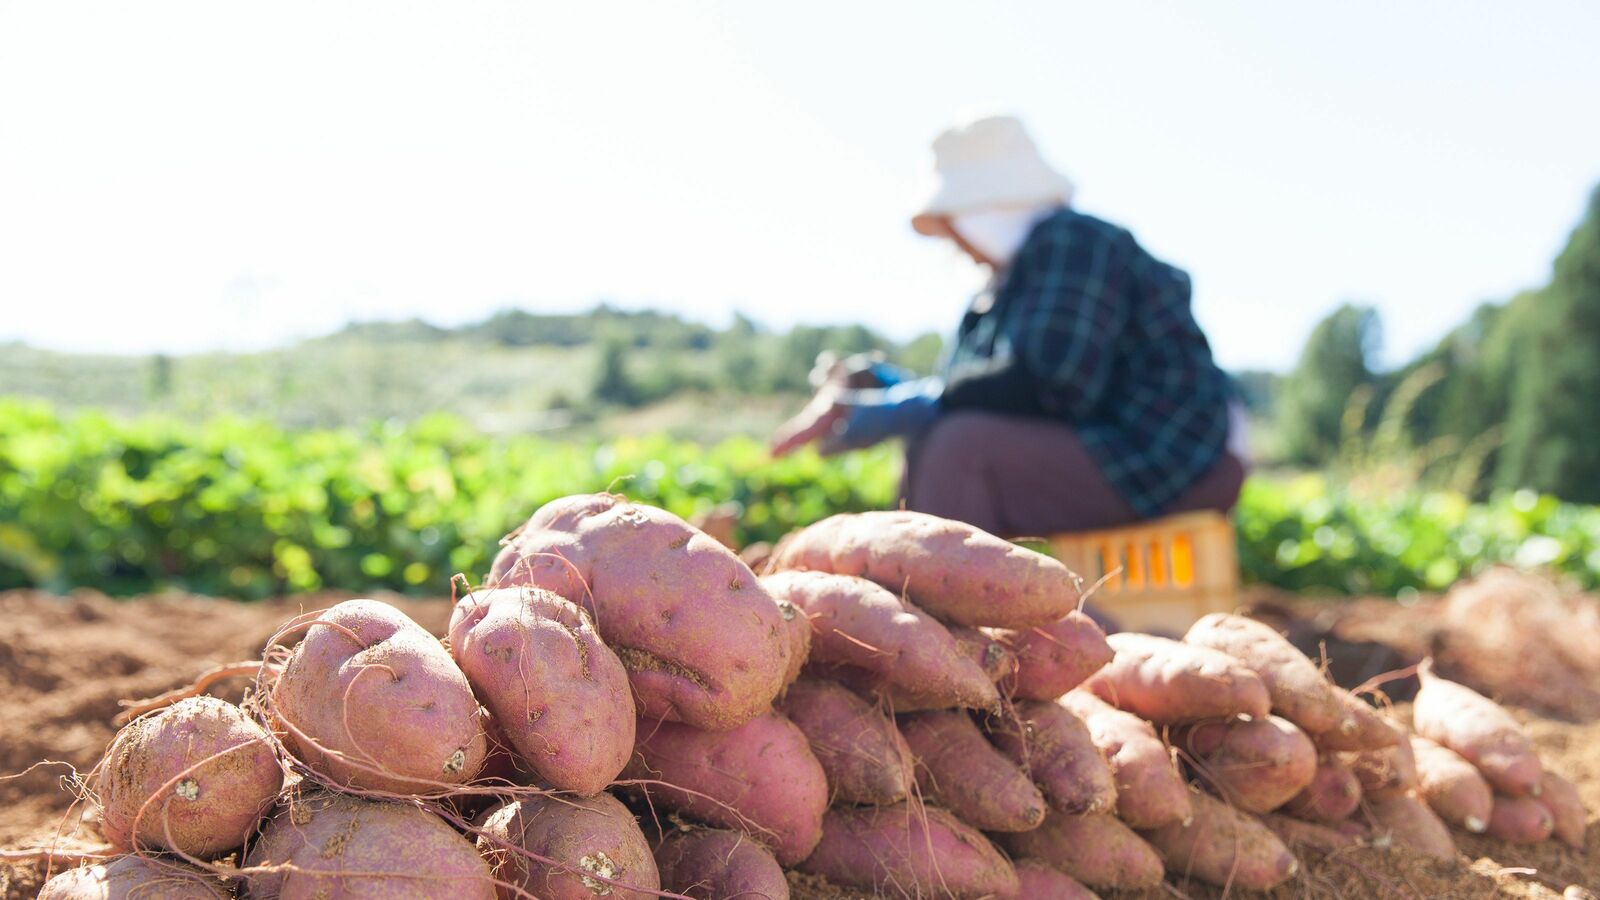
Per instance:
{"type": "Point", "coordinates": [1299, 690]}
{"type": "Point", "coordinates": [1386, 770]}
{"type": "Point", "coordinates": [558, 694]}
{"type": "Point", "coordinates": [990, 653]}
{"type": "Point", "coordinates": [334, 847]}
{"type": "Point", "coordinates": [797, 628]}
{"type": "Point", "coordinates": [1150, 792]}
{"type": "Point", "coordinates": [1479, 729]}
{"type": "Point", "coordinates": [860, 749]}
{"type": "Point", "coordinates": [1223, 846]}
{"type": "Point", "coordinates": [760, 777]}
{"type": "Point", "coordinates": [1170, 683]}
{"type": "Point", "coordinates": [1256, 764]}
{"type": "Point", "coordinates": [195, 777]}
{"type": "Point", "coordinates": [957, 573]}
{"type": "Point", "coordinates": [581, 838]}
{"type": "Point", "coordinates": [961, 771]}
{"type": "Point", "coordinates": [1372, 729]}
{"type": "Point", "coordinates": [1571, 819]}
{"type": "Point", "coordinates": [1298, 833]}
{"type": "Point", "coordinates": [715, 864]}
{"type": "Point", "coordinates": [1452, 787]}
{"type": "Point", "coordinates": [1097, 850]}
{"type": "Point", "coordinates": [1053, 746]}
{"type": "Point", "coordinates": [1042, 881]}
{"type": "Point", "coordinates": [1405, 820]}
{"type": "Point", "coordinates": [1520, 820]}
{"type": "Point", "coordinates": [871, 640]}
{"type": "Point", "coordinates": [918, 851]}
{"type": "Point", "coordinates": [1055, 658]}
{"type": "Point", "coordinates": [1333, 794]}
{"type": "Point", "coordinates": [132, 877]}
{"type": "Point", "coordinates": [371, 700]}
{"type": "Point", "coordinates": [703, 642]}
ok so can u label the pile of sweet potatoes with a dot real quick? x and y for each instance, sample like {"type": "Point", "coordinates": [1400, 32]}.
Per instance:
{"type": "Point", "coordinates": [899, 704]}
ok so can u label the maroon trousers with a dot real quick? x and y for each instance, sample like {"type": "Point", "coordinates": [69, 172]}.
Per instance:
{"type": "Point", "coordinates": [1021, 477]}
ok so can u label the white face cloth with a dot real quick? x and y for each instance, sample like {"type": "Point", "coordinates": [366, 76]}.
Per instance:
{"type": "Point", "coordinates": [998, 233]}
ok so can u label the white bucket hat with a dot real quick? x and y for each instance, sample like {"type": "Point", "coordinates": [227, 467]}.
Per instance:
{"type": "Point", "coordinates": [988, 164]}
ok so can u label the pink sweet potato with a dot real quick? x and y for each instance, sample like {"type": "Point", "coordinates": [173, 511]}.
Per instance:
{"type": "Point", "coordinates": [957, 573]}
{"type": "Point", "coordinates": [1255, 764]}
{"type": "Point", "coordinates": [1332, 796]}
{"type": "Point", "coordinates": [760, 777]}
{"type": "Point", "coordinates": [1387, 770]}
{"type": "Point", "coordinates": [1055, 658]}
{"type": "Point", "coordinates": [990, 653]}
{"type": "Point", "coordinates": [1403, 819]}
{"type": "Point", "coordinates": [871, 640]}
{"type": "Point", "coordinates": [336, 847]}
{"type": "Point", "coordinates": [1097, 850]}
{"type": "Point", "coordinates": [133, 877]}
{"type": "Point", "coordinates": [797, 628]}
{"type": "Point", "coordinates": [1222, 846]}
{"type": "Point", "coordinates": [1298, 834]}
{"type": "Point", "coordinates": [1053, 746]}
{"type": "Point", "coordinates": [1452, 787]}
{"type": "Point", "coordinates": [1520, 820]}
{"type": "Point", "coordinates": [558, 695]}
{"type": "Point", "coordinates": [703, 642]}
{"type": "Point", "coordinates": [580, 838]}
{"type": "Point", "coordinates": [914, 851]}
{"type": "Point", "coordinates": [1150, 792]}
{"type": "Point", "coordinates": [1041, 881]}
{"type": "Point", "coordinates": [195, 777]}
{"type": "Point", "coordinates": [1372, 729]}
{"type": "Point", "coordinates": [961, 771]}
{"type": "Point", "coordinates": [1170, 683]}
{"type": "Point", "coordinates": [1479, 729]}
{"type": "Point", "coordinates": [714, 864]}
{"type": "Point", "coordinates": [1299, 690]}
{"type": "Point", "coordinates": [371, 700]}
{"type": "Point", "coordinates": [1571, 819]}
{"type": "Point", "coordinates": [860, 749]}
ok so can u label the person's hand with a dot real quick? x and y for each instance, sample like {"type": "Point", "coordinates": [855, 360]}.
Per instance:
{"type": "Point", "coordinates": [814, 422]}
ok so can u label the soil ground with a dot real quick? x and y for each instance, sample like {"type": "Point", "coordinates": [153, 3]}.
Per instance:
{"type": "Point", "coordinates": [65, 662]}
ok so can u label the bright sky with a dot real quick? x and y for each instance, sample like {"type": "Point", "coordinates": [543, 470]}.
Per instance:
{"type": "Point", "coordinates": [183, 176]}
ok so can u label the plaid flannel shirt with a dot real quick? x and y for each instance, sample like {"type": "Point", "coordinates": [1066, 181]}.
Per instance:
{"type": "Point", "coordinates": [1088, 328]}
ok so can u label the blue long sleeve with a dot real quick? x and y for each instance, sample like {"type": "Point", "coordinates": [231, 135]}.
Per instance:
{"type": "Point", "coordinates": [902, 410]}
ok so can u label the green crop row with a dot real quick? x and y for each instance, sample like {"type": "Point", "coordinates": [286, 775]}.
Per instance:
{"type": "Point", "coordinates": [247, 509]}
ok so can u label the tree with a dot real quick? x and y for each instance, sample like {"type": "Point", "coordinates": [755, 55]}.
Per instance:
{"type": "Point", "coordinates": [611, 381]}
{"type": "Point", "coordinates": [1333, 367]}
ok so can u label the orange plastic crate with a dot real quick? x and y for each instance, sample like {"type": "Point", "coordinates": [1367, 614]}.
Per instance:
{"type": "Point", "coordinates": [1164, 573]}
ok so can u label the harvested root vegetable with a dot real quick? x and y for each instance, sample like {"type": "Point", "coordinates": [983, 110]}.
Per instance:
{"type": "Point", "coordinates": [957, 573]}
{"type": "Point", "coordinates": [959, 769]}
{"type": "Point", "coordinates": [582, 839]}
{"type": "Point", "coordinates": [1372, 731]}
{"type": "Point", "coordinates": [134, 877]}
{"type": "Point", "coordinates": [1150, 791]}
{"type": "Point", "coordinates": [919, 851]}
{"type": "Point", "coordinates": [1298, 833]}
{"type": "Point", "coordinates": [760, 778]}
{"type": "Point", "coordinates": [1452, 787]}
{"type": "Point", "coordinates": [371, 700]}
{"type": "Point", "coordinates": [558, 695]}
{"type": "Point", "coordinates": [1098, 850]}
{"type": "Point", "coordinates": [860, 749]}
{"type": "Point", "coordinates": [797, 628]}
{"type": "Point", "coordinates": [1333, 794]}
{"type": "Point", "coordinates": [1223, 846]}
{"type": "Point", "coordinates": [871, 640]}
{"type": "Point", "coordinates": [1256, 764]}
{"type": "Point", "coordinates": [1561, 798]}
{"type": "Point", "coordinates": [1042, 881]}
{"type": "Point", "coordinates": [1405, 820]}
{"type": "Point", "coordinates": [990, 653]}
{"type": "Point", "coordinates": [702, 641]}
{"type": "Point", "coordinates": [1053, 746]}
{"type": "Point", "coordinates": [1520, 820]}
{"type": "Point", "coordinates": [335, 847]}
{"type": "Point", "coordinates": [714, 864]}
{"type": "Point", "coordinates": [1055, 658]}
{"type": "Point", "coordinates": [195, 777]}
{"type": "Point", "coordinates": [1299, 690]}
{"type": "Point", "coordinates": [1170, 683]}
{"type": "Point", "coordinates": [1479, 729]}
{"type": "Point", "coordinates": [1387, 770]}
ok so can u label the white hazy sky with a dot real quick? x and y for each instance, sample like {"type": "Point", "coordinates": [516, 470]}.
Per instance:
{"type": "Point", "coordinates": [185, 176]}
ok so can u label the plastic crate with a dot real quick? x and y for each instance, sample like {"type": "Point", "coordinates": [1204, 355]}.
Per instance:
{"type": "Point", "coordinates": [1172, 570]}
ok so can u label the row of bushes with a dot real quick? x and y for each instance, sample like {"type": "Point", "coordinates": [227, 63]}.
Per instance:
{"type": "Point", "coordinates": [244, 508]}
